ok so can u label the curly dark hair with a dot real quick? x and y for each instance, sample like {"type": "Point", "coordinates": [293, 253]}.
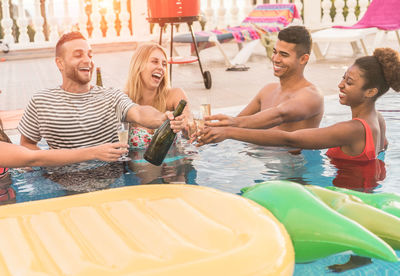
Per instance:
{"type": "Point", "coordinates": [298, 35]}
{"type": "Point", "coordinates": [381, 70]}
{"type": "Point", "coordinates": [390, 62]}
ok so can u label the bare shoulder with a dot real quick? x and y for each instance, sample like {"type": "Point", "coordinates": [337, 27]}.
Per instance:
{"type": "Point", "coordinates": [310, 92]}
{"type": "Point", "coordinates": [269, 88]}
{"type": "Point", "coordinates": [311, 89]}
{"type": "Point", "coordinates": [175, 95]}
{"type": "Point", "coordinates": [354, 127]}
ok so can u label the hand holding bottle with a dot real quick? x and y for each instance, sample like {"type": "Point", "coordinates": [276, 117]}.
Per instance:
{"type": "Point", "coordinates": [177, 123]}
{"type": "Point", "coordinates": [164, 137]}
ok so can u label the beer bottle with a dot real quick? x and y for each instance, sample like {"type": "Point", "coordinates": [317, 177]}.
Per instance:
{"type": "Point", "coordinates": [99, 81]}
{"type": "Point", "coordinates": [162, 139]}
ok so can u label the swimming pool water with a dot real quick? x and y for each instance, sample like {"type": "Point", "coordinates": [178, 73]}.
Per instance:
{"type": "Point", "coordinates": [232, 165]}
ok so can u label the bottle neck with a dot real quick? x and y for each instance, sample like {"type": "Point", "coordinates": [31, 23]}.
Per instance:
{"type": "Point", "coordinates": [179, 109]}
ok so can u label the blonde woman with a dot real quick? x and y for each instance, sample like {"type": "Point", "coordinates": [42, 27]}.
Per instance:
{"type": "Point", "coordinates": [148, 84]}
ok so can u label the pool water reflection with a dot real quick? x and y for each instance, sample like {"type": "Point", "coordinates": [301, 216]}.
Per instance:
{"type": "Point", "coordinates": [232, 165]}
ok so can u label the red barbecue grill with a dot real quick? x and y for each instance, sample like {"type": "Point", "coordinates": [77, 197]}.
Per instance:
{"type": "Point", "coordinates": [177, 11]}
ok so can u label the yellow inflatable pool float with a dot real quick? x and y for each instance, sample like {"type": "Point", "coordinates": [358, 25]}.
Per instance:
{"type": "Point", "coordinates": [144, 230]}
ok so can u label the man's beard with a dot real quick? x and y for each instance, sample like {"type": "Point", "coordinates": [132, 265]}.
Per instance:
{"type": "Point", "coordinates": [73, 74]}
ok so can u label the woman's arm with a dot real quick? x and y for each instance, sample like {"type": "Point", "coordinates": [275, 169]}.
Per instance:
{"type": "Point", "coordinates": [340, 134]}
{"type": "Point", "coordinates": [13, 156]}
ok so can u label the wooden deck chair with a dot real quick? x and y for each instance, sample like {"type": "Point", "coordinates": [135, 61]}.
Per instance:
{"type": "Point", "coordinates": [268, 17]}
{"type": "Point", "coordinates": [380, 17]}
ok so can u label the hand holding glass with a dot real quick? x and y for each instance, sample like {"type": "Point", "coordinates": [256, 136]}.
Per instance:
{"type": "Point", "coordinates": [192, 129]}
{"type": "Point", "coordinates": [205, 104]}
{"type": "Point", "coordinates": [198, 120]}
{"type": "Point", "coordinates": [123, 133]}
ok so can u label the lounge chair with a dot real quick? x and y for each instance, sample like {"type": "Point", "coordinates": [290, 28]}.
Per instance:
{"type": "Point", "coordinates": [266, 17]}
{"type": "Point", "coordinates": [380, 17]}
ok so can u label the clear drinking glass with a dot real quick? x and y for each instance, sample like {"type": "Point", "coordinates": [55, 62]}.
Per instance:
{"type": "Point", "coordinates": [192, 132]}
{"type": "Point", "coordinates": [192, 128]}
{"type": "Point", "coordinates": [205, 104]}
{"type": "Point", "coordinates": [123, 133]}
{"type": "Point", "coordinates": [198, 119]}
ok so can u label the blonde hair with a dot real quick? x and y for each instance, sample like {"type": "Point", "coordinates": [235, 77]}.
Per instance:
{"type": "Point", "coordinates": [134, 85]}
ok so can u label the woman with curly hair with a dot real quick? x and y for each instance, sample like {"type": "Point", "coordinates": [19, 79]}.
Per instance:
{"type": "Point", "coordinates": [148, 84]}
{"type": "Point", "coordinates": [360, 139]}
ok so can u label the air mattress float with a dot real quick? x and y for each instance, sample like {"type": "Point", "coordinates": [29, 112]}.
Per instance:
{"type": "Point", "coordinates": [388, 202]}
{"type": "Point", "coordinates": [316, 230]}
{"type": "Point", "coordinates": [382, 224]}
{"type": "Point", "coordinates": [144, 230]}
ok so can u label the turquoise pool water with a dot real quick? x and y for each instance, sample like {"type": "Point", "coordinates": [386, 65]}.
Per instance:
{"type": "Point", "coordinates": [232, 165]}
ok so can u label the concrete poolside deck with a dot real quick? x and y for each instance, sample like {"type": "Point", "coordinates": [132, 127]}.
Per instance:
{"type": "Point", "coordinates": [19, 79]}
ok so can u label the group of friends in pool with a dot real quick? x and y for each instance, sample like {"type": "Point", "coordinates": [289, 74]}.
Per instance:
{"type": "Point", "coordinates": [78, 120]}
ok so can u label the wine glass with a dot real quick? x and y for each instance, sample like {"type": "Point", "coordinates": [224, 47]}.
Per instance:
{"type": "Point", "coordinates": [198, 119]}
{"type": "Point", "coordinates": [192, 128]}
{"type": "Point", "coordinates": [191, 131]}
{"type": "Point", "coordinates": [205, 105]}
{"type": "Point", "coordinates": [123, 133]}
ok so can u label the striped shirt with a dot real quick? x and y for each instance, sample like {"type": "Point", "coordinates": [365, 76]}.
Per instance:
{"type": "Point", "coordinates": [75, 120]}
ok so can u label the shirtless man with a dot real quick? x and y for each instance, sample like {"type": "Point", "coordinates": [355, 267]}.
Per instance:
{"type": "Point", "coordinates": [293, 103]}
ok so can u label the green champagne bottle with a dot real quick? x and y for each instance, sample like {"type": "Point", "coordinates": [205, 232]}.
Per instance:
{"type": "Point", "coordinates": [162, 139]}
{"type": "Point", "coordinates": [99, 81]}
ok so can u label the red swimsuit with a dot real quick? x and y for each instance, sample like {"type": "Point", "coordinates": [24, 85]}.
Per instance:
{"type": "Point", "coordinates": [361, 172]}
{"type": "Point", "coordinates": [368, 152]}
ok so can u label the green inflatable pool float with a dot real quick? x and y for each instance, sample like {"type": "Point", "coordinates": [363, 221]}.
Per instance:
{"type": "Point", "coordinates": [316, 230]}
{"type": "Point", "coordinates": [383, 224]}
{"type": "Point", "coordinates": [388, 202]}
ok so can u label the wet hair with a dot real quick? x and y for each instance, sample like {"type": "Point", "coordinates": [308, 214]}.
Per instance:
{"type": "Point", "coordinates": [134, 85]}
{"type": "Point", "coordinates": [298, 35]}
{"type": "Point", "coordinates": [381, 70]}
{"type": "Point", "coordinates": [65, 38]}
{"type": "Point", "coordinates": [3, 135]}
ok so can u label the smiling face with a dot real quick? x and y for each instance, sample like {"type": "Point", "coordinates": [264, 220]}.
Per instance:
{"type": "Point", "coordinates": [75, 62]}
{"type": "Point", "coordinates": [154, 70]}
{"type": "Point", "coordinates": [351, 87]}
{"type": "Point", "coordinates": [285, 60]}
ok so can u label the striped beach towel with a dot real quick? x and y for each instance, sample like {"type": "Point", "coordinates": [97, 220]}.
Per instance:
{"type": "Point", "coordinates": [269, 17]}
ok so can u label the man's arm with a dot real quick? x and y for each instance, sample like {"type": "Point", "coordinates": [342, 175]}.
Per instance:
{"type": "Point", "coordinates": [146, 116]}
{"type": "Point", "coordinates": [300, 107]}
{"type": "Point", "coordinates": [253, 107]}
{"type": "Point", "coordinates": [255, 104]}
{"type": "Point", "coordinates": [29, 126]}
{"type": "Point", "coordinates": [150, 117]}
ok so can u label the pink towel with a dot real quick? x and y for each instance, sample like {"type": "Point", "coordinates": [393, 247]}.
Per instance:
{"type": "Point", "coordinates": [382, 14]}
